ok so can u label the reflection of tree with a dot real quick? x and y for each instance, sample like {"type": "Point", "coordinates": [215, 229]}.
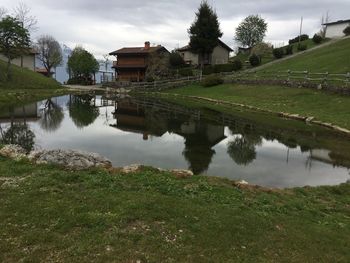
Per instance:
{"type": "Point", "coordinates": [81, 110]}
{"type": "Point", "coordinates": [198, 153]}
{"type": "Point", "coordinates": [19, 134]}
{"type": "Point", "coordinates": [242, 151]}
{"type": "Point", "coordinates": [52, 116]}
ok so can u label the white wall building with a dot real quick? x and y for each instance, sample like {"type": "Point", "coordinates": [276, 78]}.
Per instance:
{"type": "Point", "coordinates": [335, 29]}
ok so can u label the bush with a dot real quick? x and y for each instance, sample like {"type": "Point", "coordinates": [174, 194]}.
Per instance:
{"type": "Point", "coordinates": [212, 80]}
{"type": "Point", "coordinates": [289, 50]}
{"type": "Point", "coordinates": [296, 39]}
{"type": "Point", "coordinates": [185, 72]}
{"type": "Point", "coordinates": [278, 53]}
{"type": "Point", "coordinates": [302, 47]}
{"type": "Point", "coordinates": [317, 39]}
{"type": "Point", "coordinates": [207, 70]}
{"type": "Point", "coordinates": [80, 81]}
{"type": "Point", "coordinates": [254, 60]}
{"type": "Point", "coordinates": [176, 60]}
{"type": "Point", "coordinates": [347, 31]}
{"type": "Point", "coordinates": [237, 65]}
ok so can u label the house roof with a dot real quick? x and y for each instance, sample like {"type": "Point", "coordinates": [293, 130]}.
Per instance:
{"type": "Point", "coordinates": [137, 50]}
{"type": "Point", "coordinates": [337, 22]}
{"type": "Point", "coordinates": [221, 43]}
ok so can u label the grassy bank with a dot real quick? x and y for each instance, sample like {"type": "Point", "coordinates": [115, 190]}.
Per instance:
{"type": "Point", "coordinates": [26, 86]}
{"type": "Point", "coordinates": [334, 58]}
{"type": "Point", "coordinates": [307, 102]}
{"type": "Point", "coordinates": [49, 214]}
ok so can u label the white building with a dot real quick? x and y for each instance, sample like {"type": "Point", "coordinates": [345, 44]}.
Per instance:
{"type": "Point", "coordinates": [220, 55]}
{"type": "Point", "coordinates": [26, 61]}
{"type": "Point", "coordinates": [335, 29]}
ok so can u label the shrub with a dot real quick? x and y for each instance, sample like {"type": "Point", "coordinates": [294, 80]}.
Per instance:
{"type": "Point", "coordinates": [254, 60]}
{"type": "Point", "coordinates": [296, 39]}
{"type": "Point", "coordinates": [302, 47]}
{"type": "Point", "coordinates": [317, 39]}
{"type": "Point", "coordinates": [207, 70]}
{"type": "Point", "coordinates": [237, 65]}
{"type": "Point", "coordinates": [212, 80]}
{"type": "Point", "coordinates": [289, 50]}
{"type": "Point", "coordinates": [80, 81]}
{"type": "Point", "coordinates": [176, 60]}
{"type": "Point", "coordinates": [347, 31]}
{"type": "Point", "coordinates": [278, 53]}
{"type": "Point", "coordinates": [185, 72]}
{"type": "Point", "coordinates": [223, 68]}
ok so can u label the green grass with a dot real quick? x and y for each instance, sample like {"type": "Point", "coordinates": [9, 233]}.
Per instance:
{"type": "Point", "coordinates": [52, 215]}
{"type": "Point", "coordinates": [307, 102]}
{"type": "Point", "coordinates": [334, 58]}
{"type": "Point", "coordinates": [25, 86]}
{"type": "Point", "coordinates": [245, 57]}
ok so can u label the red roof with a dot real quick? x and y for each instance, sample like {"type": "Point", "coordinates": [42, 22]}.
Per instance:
{"type": "Point", "coordinates": [137, 50]}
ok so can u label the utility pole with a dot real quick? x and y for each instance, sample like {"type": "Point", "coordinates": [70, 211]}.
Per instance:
{"type": "Point", "coordinates": [301, 29]}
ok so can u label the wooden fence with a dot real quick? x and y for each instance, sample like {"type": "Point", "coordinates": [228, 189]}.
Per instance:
{"type": "Point", "coordinates": [326, 78]}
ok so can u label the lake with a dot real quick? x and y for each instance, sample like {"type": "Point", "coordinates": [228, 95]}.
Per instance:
{"type": "Point", "coordinates": [272, 153]}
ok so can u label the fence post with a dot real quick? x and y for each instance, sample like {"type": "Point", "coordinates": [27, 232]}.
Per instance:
{"type": "Point", "coordinates": [348, 78]}
{"type": "Point", "coordinates": [200, 75]}
{"type": "Point", "coordinates": [325, 80]}
{"type": "Point", "coordinates": [288, 77]}
{"type": "Point", "coordinates": [307, 76]}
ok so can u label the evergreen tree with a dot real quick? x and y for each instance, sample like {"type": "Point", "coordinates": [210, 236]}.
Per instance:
{"type": "Point", "coordinates": [204, 32]}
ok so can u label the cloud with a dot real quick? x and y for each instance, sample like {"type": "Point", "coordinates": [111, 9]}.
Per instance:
{"type": "Point", "coordinates": [103, 26]}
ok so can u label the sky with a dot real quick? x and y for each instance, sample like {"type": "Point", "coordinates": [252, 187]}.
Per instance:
{"type": "Point", "coordinates": [102, 26]}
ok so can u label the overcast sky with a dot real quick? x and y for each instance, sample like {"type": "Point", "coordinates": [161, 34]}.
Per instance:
{"type": "Point", "coordinates": [102, 26]}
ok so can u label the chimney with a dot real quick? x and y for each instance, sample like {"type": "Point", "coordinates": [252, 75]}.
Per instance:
{"type": "Point", "coordinates": [147, 45]}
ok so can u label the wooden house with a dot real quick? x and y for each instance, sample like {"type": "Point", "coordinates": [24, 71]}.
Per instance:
{"type": "Point", "coordinates": [132, 62]}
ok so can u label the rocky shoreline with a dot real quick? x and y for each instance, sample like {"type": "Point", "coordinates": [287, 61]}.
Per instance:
{"type": "Point", "coordinates": [77, 160]}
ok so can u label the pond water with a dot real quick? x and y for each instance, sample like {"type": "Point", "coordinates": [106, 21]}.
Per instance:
{"type": "Point", "coordinates": [162, 134]}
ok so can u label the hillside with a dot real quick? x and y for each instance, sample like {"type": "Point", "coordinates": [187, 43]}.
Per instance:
{"type": "Point", "coordinates": [25, 79]}
{"type": "Point", "coordinates": [332, 58]}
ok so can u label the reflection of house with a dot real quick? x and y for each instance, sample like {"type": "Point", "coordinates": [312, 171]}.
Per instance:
{"type": "Point", "coordinates": [220, 55]}
{"type": "Point", "coordinates": [335, 29]}
{"type": "Point", "coordinates": [26, 61]}
{"type": "Point", "coordinates": [25, 113]}
{"type": "Point", "coordinates": [132, 62]}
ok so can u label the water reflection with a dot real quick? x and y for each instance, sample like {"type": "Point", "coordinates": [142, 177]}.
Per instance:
{"type": "Point", "coordinates": [52, 116]}
{"type": "Point", "coordinates": [154, 132]}
{"type": "Point", "coordinates": [82, 110]}
{"type": "Point", "coordinates": [14, 128]}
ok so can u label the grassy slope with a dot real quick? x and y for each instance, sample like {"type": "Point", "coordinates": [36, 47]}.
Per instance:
{"type": "Point", "coordinates": [25, 85]}
{"type": "Point", "coordinates": [48, 214]}
{"type": "Point", "coordinates": [334, 58]}
{"type": "Point", "coordinates": [324, 106]}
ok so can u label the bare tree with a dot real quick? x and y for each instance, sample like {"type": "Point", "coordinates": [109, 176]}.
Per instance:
{"type": "Point", "coordinates": [106, 61]}
{"type": "Point", "coordinates": [23, 14]}
{"type": "Point", "coordinates": [50, 52]}
{"type": "Point", "coordinates": [3, 12]}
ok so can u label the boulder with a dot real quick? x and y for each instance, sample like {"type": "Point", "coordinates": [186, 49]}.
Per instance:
{"type": "Point", "coordinates": [13, 151]}
{"type": "Point", "coordinates": [78, 160]}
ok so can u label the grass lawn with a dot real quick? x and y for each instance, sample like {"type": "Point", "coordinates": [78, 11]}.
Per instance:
{"type": "Point", "coordinates": [334, 58]}
{"type": "Point", "coordinates": [307, 102]}
{"type": "Point", "coordinates": [52, 215]}
{"type": "Point", "coordinates": [25, 86]}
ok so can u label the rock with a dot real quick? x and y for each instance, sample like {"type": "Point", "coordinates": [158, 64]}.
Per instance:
{"type": "Point", "coordinates": [242, 182]}
{"type": "Point", "coordinates": [309, 119]}
{"type": "Point", "coordinates": [181, 173]}
{"type": "Point", "coordinates": [13, 151]}
{"type": "Point", "coordinates": [132, 168]}
{"type": "Point", "coordinates": [71, 159]}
